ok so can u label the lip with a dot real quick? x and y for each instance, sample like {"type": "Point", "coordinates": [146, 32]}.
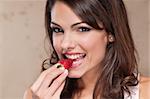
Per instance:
{"type": "Point", "coordinates": [71, 53]}
{"type": "Point", "coordinates": [77, 63]}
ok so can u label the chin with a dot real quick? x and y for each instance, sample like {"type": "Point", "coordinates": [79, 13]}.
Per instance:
{"type": "Point", "coordinates": [74, 75]}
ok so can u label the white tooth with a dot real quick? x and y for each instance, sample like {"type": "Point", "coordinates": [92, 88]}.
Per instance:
{"type": "Point", "coordinates": [74, 56]}
{"type": "Point", "coordinates": [80, 55]}
{"type": "Point", "coordinates": [67, 56]}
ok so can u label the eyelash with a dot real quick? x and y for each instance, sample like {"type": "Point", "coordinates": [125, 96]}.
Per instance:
{"type": "Point", "coordinates": [79, 29]}
{"type": "Point", "coordinates": [57, 30]}
{"type": "Point", "coordinates": [84, 29]}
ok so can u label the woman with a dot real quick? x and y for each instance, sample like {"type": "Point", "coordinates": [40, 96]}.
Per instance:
{"type": "Point", "coordinates": [96, 35]}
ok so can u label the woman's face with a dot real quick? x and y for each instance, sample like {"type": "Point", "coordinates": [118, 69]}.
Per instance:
{"type": "Point", "coordinates": [77, 40]}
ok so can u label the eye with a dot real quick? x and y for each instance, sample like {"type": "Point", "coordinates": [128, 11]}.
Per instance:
{"type": "Point", "coordinates": [84, 29]}
{"type": "Point", "coordinates": [57, 30]}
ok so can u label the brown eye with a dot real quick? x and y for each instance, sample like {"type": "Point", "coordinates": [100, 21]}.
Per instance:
{"type": "Point", "coordinates": [84, 29]}
{"type": "Point", "coordinates": [57, 30]}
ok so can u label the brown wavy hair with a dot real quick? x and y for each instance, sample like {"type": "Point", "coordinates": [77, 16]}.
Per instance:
{"type": "Point", "coordinates": [119, 70]}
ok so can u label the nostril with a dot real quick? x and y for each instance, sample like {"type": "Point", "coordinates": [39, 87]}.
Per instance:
{"type": "Point", "coordinates": [68, 48]}
{"type": "Point", "coordinates": [67, 43]}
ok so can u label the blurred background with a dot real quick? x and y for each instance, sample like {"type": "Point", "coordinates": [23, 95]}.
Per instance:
{"type": "Point", "coordinates": [22, 48]}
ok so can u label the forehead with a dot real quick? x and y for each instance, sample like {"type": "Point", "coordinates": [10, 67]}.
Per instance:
{"type": "Point", "coordinates": [62, 13]}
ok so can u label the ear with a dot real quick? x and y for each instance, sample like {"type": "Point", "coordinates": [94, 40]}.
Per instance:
{"type": "Point", "coordinates": [111, 38]}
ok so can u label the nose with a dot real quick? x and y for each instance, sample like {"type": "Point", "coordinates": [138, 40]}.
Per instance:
{"type": "Point", "coordinates": [68, 43]}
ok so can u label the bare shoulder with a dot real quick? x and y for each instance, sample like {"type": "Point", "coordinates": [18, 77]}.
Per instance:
{"type": "Point", "coordinates": [144, 87]}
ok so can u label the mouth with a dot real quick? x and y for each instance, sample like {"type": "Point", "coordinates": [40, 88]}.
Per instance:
{"type": "Point", "coordinates": [76, 57]}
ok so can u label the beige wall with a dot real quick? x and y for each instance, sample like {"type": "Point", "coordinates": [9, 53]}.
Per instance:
{"type": "Point", "coordinates": [22, 42]}
{"type": "Point", "coordinates": [140, 21]}
{"type": "Point", "coordinates": [21, 45]}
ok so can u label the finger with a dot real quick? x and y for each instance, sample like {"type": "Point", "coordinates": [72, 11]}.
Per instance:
{"type": "Point", "coordinates": [58, 92]}
{"type": "Point", "coordinates": [49, 79]}
{"type": "Point", "coordinates": [57, 83]}
{"type": "Point", "coordinates": [29, 95]}
{"type": "Point", "coordinates": [40, 79]}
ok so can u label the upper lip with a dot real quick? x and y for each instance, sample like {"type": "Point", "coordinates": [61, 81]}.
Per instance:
{"type": "Point", "coordinates": [72, 53]}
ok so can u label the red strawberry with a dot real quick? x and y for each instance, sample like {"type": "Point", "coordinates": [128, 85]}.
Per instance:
{"type": "Point", "coordinates": [66, 63]}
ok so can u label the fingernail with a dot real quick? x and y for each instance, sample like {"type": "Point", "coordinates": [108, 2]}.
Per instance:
{"type": "Point", "coordinates": [61, 68]}
{"type": "Point", "coordinates": [58, 65]}
{"type": "Point", "coordinates": [66, 71]}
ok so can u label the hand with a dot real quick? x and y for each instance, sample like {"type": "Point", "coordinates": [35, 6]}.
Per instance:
{"type": "Point", "coordinates": [49, 85]}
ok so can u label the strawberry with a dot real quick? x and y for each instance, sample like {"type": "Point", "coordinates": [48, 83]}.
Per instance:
{"type": "Point", "coordinates": [66, 63]}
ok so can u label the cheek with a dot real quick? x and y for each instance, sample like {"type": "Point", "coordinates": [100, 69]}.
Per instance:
{"type": "Point", "coordinates": [95, 48]}
{"type": "Point", "coordinates": [100, 46]}
{"type": "Point", "coordinates": [56, 44]}
{"type": "Point", "coordinates": [94, 43]}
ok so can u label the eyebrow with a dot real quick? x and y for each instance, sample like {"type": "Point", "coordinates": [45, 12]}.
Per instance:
{"type": "Point", "coordinates": [55, 24]}
{"type": "Point", "coordinates": [73, 25]}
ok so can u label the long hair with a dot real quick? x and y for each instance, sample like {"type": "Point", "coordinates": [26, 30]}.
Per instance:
{"type": "Point", "coordinates": [119, 70]}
